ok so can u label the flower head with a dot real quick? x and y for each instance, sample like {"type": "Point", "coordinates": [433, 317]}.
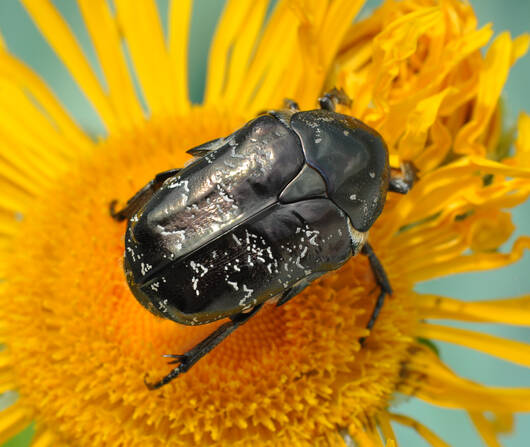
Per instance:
{"type": "Point", "coordinates": [78, 343]}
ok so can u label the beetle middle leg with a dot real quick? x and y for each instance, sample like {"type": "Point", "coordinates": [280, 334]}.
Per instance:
{"type": "Point", "coordinates": [187, 360]}
{"type": "Point", "coordinates": [382, 282]}
{"type": "Point", "coordinates": [141, 197]}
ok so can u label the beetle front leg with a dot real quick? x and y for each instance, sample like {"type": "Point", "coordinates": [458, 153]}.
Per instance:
{"type": "Point", "coordinates": [191, 357]}
{"type": "Point", "coordinates": [141, 197]}
{"type": "Point", "coordinates": [332, 98]}
{"type": "Point", "coordinates": [291, 105]}
{"type": "Point", "coordinates": [402, 181]}
{"type": "Point", "coordinates": [382, 282]}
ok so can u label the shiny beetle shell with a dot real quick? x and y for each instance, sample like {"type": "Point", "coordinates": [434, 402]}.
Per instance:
{"type": "Point", "coordinates": [265, 211]}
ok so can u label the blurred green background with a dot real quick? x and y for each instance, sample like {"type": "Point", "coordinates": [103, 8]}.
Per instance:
{"type": "Point", "coordinates": [514, 15]}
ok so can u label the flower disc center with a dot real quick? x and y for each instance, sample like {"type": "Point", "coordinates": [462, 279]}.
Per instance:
{"type": "Point", "coordinates": [82, 344]}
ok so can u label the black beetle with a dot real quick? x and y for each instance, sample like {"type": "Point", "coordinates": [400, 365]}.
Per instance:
{"type": "Point", "coordinates": [257, 216]}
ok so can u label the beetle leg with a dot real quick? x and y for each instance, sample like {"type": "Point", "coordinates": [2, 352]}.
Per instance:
{"type": "Point", "coordinates": [291, 105]}
{"type": "Point", "coordinates": [332, 98]}
{"type": "Point", "coordinates": [141, 197]}
{"type": "Point", "coordinates": [382, 282]}
{"type": "Point", "coordinates": [191, 357]}
{"type": "Point", "coordinates": [297, 288]}
{"type": "Point", "coordinates": [206, 148]}
{"type": "Point", "coordinates": [402, 182]}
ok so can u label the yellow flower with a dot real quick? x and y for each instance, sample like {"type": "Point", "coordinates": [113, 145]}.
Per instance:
{"type": "Point", "coordinates": [78, 343]}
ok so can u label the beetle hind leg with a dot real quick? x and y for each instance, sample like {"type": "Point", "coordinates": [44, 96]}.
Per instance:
{"type": "Point", "coordinates": [382, 282]}
{"type": "Point", "coordinates": [187, 360]}
{"type": "Point", "coordinates": [141, 197]}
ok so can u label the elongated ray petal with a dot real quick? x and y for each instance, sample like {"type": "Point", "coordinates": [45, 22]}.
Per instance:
{"type": "Point", "coordinates": [423, 431]}
{"type": "Point", "coordinates": [234, 16]}
{"type": "Point", "coordinates": [61, 39]}
{"type": "Point", "coordinates": [512, 351]}
{"type": "Point", "coordinates": [242, 50]}
{"type": "Point", "coordinates": [469, 263]}
{"type": "Point", "coordinates": [13, 420]}
{"type": "Point", "coordinates": [105, 35]}
{"type": "Point", "coordinates": [484, 428]}
{"type": "Point", "coordinates": [179, 24]}
{"type": "Point", "coordinates": [429, 379]}
{"type": "Point", "coordinates": [507, 311]}
{"type": "Point", "coordinates": [16, 72]}
{"type": "Point", "coordinates": [143, 32]}
{"type": "Point", "coordinates": [501, 55]}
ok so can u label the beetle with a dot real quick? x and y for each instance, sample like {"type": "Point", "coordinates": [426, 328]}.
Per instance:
{"type": "Point", "coordinates": [256, 216]}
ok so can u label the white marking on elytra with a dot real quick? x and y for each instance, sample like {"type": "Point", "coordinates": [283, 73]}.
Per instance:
{"type": "Point", "coordinates": [298, 263]}
{"type": "Point", "coordinates": [371, 174]}
{"type": "Point", "coordinates": [155, 286]}
{"type": "Point", "coordinates": [311, 235]}
{"type": "Point", "coordinates": [194, 282]}
{"type": "Point", "coordinates": [236, 239]}
{"type": "Point", "coordinates": [144, 268]}
{"type": "Point", "coordinates": [131, 251]}
{"type": "Point", "coordinates": [304, 251]}
{"type": "Point", "coordinates": [233, 284]}
{"type": "Point", "coordinates": [353, 197]}
{"type": "Point", "coordinates": [162, 305]}
{"type": "Point", "coordinates": [178, 184]}
{"type": "Point", "coordinates": [247, 290]}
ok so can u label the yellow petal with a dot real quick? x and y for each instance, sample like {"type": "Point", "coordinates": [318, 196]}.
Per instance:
{"type": "Point", "coordinates": [179, 24]}
{"type": "Point", "coordinates": [12, 421]}
{"type": "Point", "coordinates": [507, 311]}
{"type": "Point", "coordinates": [513, 351]}
{"type": "Point", "coordinates": [105, 36]}
{"type": "Point", "coordinates": [469, 263]}
{"type": "Point", "coordinates": [14, 71]}
{"type": "Point", "coordinates": [499, 58]}
{"type": "Point", "coordinates": [427, 378]}
{"type": "Point", "coordinates": [423, 431]}
{"type": "Point", "coordinates": [233, 19]}
{"type": "Point", "coordinates": [522, 144]}
{"type": "Point", "coordinates": [241, 54]}
{"type": "Point", "coordinates": [45, 438]}
{"type": "Point", "coordinates": [142, 29]}
{"type": "Point", "coordinates": [61, 39]}
{"type": "Point", "coordinates": [419, 122]}
{"type": "Point", "coordinates": [484, 428]}
{"type": "Point", "coordinates": [386, 428]}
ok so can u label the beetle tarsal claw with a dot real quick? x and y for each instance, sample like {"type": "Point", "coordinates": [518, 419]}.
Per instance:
{"type": "Point", "coordinates": [149, 385]}
{"type": "Point", "coordinates": [112, 209]}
